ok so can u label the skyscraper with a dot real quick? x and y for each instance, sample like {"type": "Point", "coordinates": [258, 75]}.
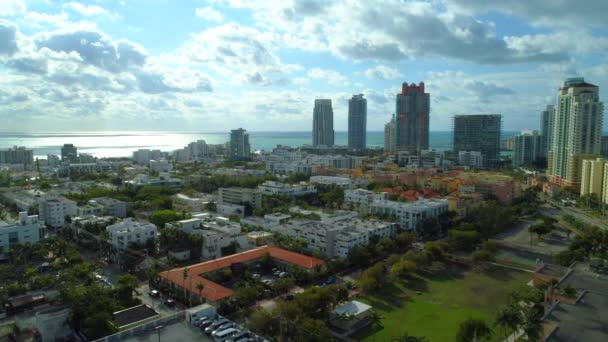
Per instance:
{"type": "Point", "coordinates": [357, 123]}
{"type": "Point", "coordinates": [17, 155]}
{"type": "Point", "coordinates": [527, 148]}
{"type": "Point", "coordinates": [390, 138]}
{"type": "Point", "coordinates": [546, 129]}
{"type": "Point", "coordinates": [412, 123]}
{"type": "Point", "coordinates": [479, 133]}
{"type": "Point", "coordinates": [323, 123]}
{"type": "Point", "coordinates": [577, 127]}
{"type": "Point", "coordinates": [239, 144]}
{"type": "Point", "coordinates": [69, 152]}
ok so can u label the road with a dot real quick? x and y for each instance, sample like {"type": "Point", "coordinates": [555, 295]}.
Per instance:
{"type": "Point", "coordinates": [578, 214]}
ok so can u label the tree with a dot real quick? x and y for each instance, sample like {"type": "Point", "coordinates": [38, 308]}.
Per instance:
{"type": "Point", "coordinates": [405, 239]}
{"type": "Point", "coordinates": [185, 276]}
{"type": "Point", "coordinates": [532, 322]}
{"type": "Point", "coordinates": [200, 287]}
{"type": "Point", "coordinates": [473, 330]}
{"type": "Point", "coordinates": [482, 255]}
{"type": "Point", "coordinates": [569, 292]}
{"type": "Point", "coordinates": [264, 322]}
{"type": "Point", "coordinates": [463, 240]}
{"type": "Point", "coordinates": [509, 317]}
{"type": "Point", "coordinates": [312, 330]}
{"type": "Point", "coordinates": [125, 286]}
{"type": "Point", "coordinates": [160, 217]}
{"type": "Point", "coordinates": [402, 268]}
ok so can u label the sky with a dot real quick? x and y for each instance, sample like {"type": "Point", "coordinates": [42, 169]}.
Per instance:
{"type": "Point", "coordinates": [211, 66]}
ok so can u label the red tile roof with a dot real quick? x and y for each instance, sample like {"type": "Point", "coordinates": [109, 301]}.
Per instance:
{"type": "Point", "coordinates": [213, 291]}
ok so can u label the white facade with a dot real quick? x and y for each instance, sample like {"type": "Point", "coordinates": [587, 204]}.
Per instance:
{"type": "Point", "coordinates": [240, 196]}
{"type": "Point", "coordinates": [410, 214]}
{"type": "Point", "coordinates": [283, 189]}
{"type": "Point", "coordinates": [341, 182]}
{"type": "Point", "coordinates": [27, 230]}
{"type": "Point", "coordinates": [143, 156]}
{"type": "Point", "coordinates": [471, 159]}
{"type": "Point", "coordinates": [161, 165]}
{"type": "Point", "coordinates": [362, 199]}
{"type": "Point", "coordinates": [128, 231]}
{"type": "Point", "coordinates": [338, 238]}
{"type": "Point", "coordinates": [53, 210]}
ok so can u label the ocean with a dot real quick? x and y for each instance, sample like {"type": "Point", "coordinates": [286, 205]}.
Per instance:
{"type": "Point", "coordinates": [122, 144]}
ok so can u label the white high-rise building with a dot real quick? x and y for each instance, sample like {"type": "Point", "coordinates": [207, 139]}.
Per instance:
{"type": "Point", "coordinates": [323, 123]}
{"type": "Point", "coordinates": [54, 209]}
{"type": "Point", "coordinates": [577, 131]}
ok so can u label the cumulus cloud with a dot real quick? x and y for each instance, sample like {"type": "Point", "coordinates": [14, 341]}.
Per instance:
{"type": "Point", "coordinates": [382, 72]}
{"type": "Point", "coordinates": [8, 38]}
{"type": "Point", "coordinates": [330, 76]}
{"type": "Point", "coordinates": [485, 90]}
{"type": "Point", "coordinates": [90, 10]}
{"type": "Point", "coordinates": [96, 49]}
{"type": "Point", "coordinates": [11, 8]}
{"type": "Point", "coordinates": [208, 13]}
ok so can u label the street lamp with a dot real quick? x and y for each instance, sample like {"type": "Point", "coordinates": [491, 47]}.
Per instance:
{"type": "Point", "coordinates": [158, 329]}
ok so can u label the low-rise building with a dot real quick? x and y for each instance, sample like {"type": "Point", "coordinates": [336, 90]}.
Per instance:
{"type": "Point", "coordinates": [240, 196]}
{"type": "Point", "coordinates": [284, 189]}
{"type": "Point", "coordinates": [340, 182]}
{"type": "Point", "coordinates": [161, 165]}
{"type": "Point", "coordinates": [28, 229]}
{"type": "Point", "coordinates": [123, 233]}
{"type": "Point", "coordinates": [410, 214]}
{"type": "Point", "coordinates": [54, 209]}
{"type": "Point", "coordinates": [112, 207]}
{"type": "Point", "coordinates": [472, 159]}
{"type": "Point", "coordinates": [337, 238]}
{"type": "Point", "coordinates": [361, 199]}
{"type": "Point", "coordinates": [90, 209]}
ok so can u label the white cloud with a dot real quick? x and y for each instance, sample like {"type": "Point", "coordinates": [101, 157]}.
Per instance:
{"type": "Point", "coordinates": [331, 76]}
{"type": "Point", "coordinates": [91, 10]}
{"type": "Point", "coordinates": [12, 8]}
{"type": "Point", "coordinates": [208, 13]}
{"type": "Point", "coordinates": [382, 72]}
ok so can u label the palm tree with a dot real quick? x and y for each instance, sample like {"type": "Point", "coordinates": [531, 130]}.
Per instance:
{"type": "Point", "coordinates": [200, 288]}
{"type": "Point", "coordinates": [508, 317]}
{"type": "Point", "coordinates": [473, 330]}
{"type": "Point", "coordinates": [185, 274]}
{"type": "Point", "coordinates": [532, 322]}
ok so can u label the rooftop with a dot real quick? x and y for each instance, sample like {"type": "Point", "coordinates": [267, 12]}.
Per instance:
{"type": "Point", "coordinates": [133, 315]}
{"type": "Point", "coordinates": [352, 308]}
{"type": "Point", "coordinates": [213, 291]}
{"type": "Point", "coordinates": [583, 321]}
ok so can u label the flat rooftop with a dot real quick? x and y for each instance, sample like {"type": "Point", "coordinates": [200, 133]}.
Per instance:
{"type": "Point", "coordinates": [132, 315]}
{"type": "Point", "coordinates": [587, 320]}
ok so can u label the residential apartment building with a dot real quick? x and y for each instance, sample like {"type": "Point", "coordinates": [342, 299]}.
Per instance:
{"type": "Point", "coordinates": [240, 196]}
{"type": "Point", "coordinates": [594, 178]}
{"type": "Point", "coordinates": [472, 159]}
{"type": "Point", "coordinates": [340, 182]}
{"type": "Point", "coordinates": [126, 232]}
{"type": "Point", "coordinates": [239, 145]}
{"type": "Point", "coordinates": [323, 123]}
{"type": "Point", "coordinates": [577, 129]}
{"type": "Point", "coordinates": [357, 123]}
{"type": "Point", "coordinates": [412, 108]}
{"type": "Point", "coordinates": [284, 189]}
{"type": "Point", "coordinates": [479, 133]}
{"type": "Point", "coordinates": [527, 148]}
{"type": "Point", "coordinates": [54, 209]}
{"type": "Point", "coordinates": [604, 149]}
{"type": "Point", "coordinates": [546, 130]}
{"type": "Point", "coordinates": [390, 136]}
{"type": "Point", "coordinates": [28, 229]}
{"type": "Point", "coordinates": [217, 233]}
{"type": "Point", "coordinates": [69, 152]}
{"type": "Point", "coordinates": [410, 214]}
{"type": "Point", "coordinates": [161, 165]}
{"type": "Point", "coordinates": [104, 206]}
{"type": "Point", "coordinates": [337, 238]}
{"type": "Point", "coordinates": [17, 156]}
{"type": "Point", "coordinates": [362, 199]}
{"type": "Point", "coordinates": [143, 156]}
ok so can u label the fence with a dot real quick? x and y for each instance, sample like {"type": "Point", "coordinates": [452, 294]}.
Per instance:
{"type": "Point", "coordinates": [144, 328]}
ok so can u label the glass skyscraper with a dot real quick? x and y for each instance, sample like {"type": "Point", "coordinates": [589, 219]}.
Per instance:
{"type": "Point", "coordinates": [480, 133]}
{"type": "Point", "coordinates": [357, 123]}
{"type": "Point", "coordinates": [323, 123]}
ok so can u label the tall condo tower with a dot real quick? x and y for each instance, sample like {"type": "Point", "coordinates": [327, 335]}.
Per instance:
{"type": "Point", "coordinates": [357, 123]}
{"type": "Point", "coordinates": [479, 133]}
{"type": "Point", "coordinates": [390, 136]}
{"type": "Point", "coordinates": [577, 128]}
{"type": "Point", "coordinates": [323, 123]}
{"type": "Point", "coordinates": [239, 144]}
{"type": "Point", "coordinates": [413, 107]}
{"type": "Point", "coordinates": [546, 129]}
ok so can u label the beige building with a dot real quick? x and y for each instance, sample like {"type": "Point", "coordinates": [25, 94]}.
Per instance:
{"type": "Point", "coordinates": [594, 178]}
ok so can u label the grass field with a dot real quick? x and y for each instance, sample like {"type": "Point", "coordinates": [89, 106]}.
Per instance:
{"type": "Point", "coordinates": [434, 305]}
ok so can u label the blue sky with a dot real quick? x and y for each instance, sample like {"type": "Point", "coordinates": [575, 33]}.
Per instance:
{"type": "Point", "coordinates": [220, 64]}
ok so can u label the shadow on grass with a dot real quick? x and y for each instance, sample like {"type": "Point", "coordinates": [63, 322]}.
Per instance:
{"type": "Point", "coordinates": [369, 331]}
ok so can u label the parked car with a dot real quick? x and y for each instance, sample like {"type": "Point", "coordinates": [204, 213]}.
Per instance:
{"type": "Point", "coordinates": [209, 329]}
{"type": "Point", "coordinates": [154, 294]}
{"type": "Point", "coordinates": [225, 334]}
{"type": "Point", "coordinates": [198, 322]}
{"type": "Point", "coordinates": [256, 276]}
{"type": "Point", "coordinates": [241, 335]}
{"type": "Point", "coordinates": [222, 328]}
{"type": "Point", "coordinates": [170, 302]}
{"type": "Point", "coordinates": [283, 274]}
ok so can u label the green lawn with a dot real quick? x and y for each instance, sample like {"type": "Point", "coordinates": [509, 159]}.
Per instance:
{"type": "Point", "coordinates": [446, 299]}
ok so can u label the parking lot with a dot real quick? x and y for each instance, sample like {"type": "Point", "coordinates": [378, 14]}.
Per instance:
{"type": "Point", "coordinates": [158, 303]}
